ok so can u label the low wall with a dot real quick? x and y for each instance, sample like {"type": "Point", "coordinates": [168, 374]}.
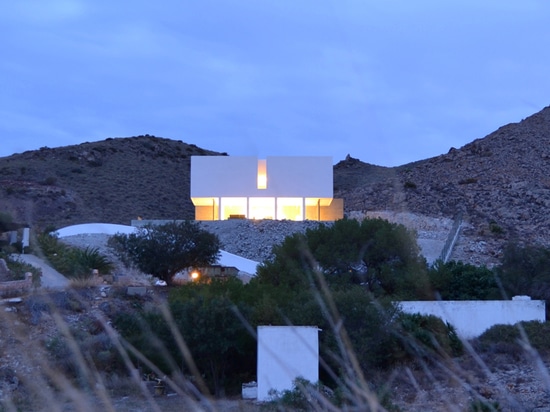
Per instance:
{"type": "Point", "coordinates": [473, 317]}
{"type": "Point", "coordinates": [16, 287]}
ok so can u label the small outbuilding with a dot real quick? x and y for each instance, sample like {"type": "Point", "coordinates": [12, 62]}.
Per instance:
{"type": "Point", "coordinates": [284, 354]}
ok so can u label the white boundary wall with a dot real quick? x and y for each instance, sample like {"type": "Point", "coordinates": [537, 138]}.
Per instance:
{"type": "Point", "coordinates": [285, 353]}
{"type": "Point", "coordinates": [472, 318]}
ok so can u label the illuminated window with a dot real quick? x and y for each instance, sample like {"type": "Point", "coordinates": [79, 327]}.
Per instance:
{"type": "Point", "coordinates": [290, 208]}
{"type": "Point", "coordinates": [233, 207]}
{"type": "Point", "coordinates": [262, 174]}
{"type": "Point", "coordinates": [262, 208]}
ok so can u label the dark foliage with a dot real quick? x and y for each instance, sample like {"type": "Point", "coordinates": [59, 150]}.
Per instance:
{"type": "Point", "coordinates": [525, 270]}
{"type": "Point", "coordinates": [462, 281]}
{"type": "Point", "coordinates": [427, 335]}
{"type": "Point", "coordinates": [382, 256]}
{"type": "Point", "coordinates": [164, 250]}
{"type": "Point", "coordinates": [73, 262]}
{"type": "Point", "coordinates": [512, 339]}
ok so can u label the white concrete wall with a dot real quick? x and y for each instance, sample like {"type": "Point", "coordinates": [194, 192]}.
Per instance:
{"type": "Point", "coordinates": [236, 176]}
{"type": "Point", "coordinates": [472, 318]}
{"type": "Point", "coordinates": [285, 353]}
{"type": "Point", "coordinates": [224, 176]}
{"type": "Point", "coordinates": [299, 176]}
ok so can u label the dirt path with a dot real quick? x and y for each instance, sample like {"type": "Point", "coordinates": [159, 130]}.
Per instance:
{"type": "Point", "coordinates": [51, 278]}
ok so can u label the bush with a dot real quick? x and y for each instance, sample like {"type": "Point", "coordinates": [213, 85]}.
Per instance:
{"type": "Point", "coordinates": [382, 256]}
{"type": "Point", "coordinates": [462, 281]}
{"type": "Point", "coordinates": [164, 250]}
{"type": "Point", "coordinates": [427, 335]}
{"type": "Point", "coordinates": [94, 352]}
{"type": "Point", "coordinates": [525, 270]}
{"type": "Point", "coordinates": [510, 338]}
{"type": "Point", "coordinates": [73, 262]}
{"type": "Point", "coordinates": [495, 228]}
{"type": "Point", "coordinates": [479, 405]}
{"type": "Point", "coordinates": [304, 396]}
{"type": "Point", "coordinates": [18, 269]}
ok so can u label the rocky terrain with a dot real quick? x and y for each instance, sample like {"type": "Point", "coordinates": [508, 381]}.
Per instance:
{"type": "Point", "coordinates": [498, 185]}
{"type": "Point", "coordinates": [111, 181]}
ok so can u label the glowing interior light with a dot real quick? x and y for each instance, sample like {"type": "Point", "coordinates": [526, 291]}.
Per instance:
{"type": "Point", "coordinates": [290, 208]}
{"type": "Point", "coordinates": [195, 275]}
{"type": "Point", "coordinates": [262, 174]}
{"type": "Point", "coordinates": [262, 208]}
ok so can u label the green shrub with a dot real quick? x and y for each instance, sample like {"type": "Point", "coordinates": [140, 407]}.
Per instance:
{"type": "Point", "coordinates": [98, 352]}
{"type": "Point", "coordinates": [426, 335]}
{"type": "Point", "coordinates": [462, 281]}
{"type": "Point", "coordinates": [73, 262]}
{"type": "Point", "coordinates": [164, 250]}
{"type": "Point", "coordinates": [495, 228]}
{"type": "Point", "coordinates": [525, 270]}
{"type": "Point", "coordinates": [510, 338]}
{"type": "Point", "coordinates": [304, 396]}
{"type": "Point", "coordinates": [91, 258]}
{"type": "Point", "coordinates": [18, 268]}
{"type": "Point", "coordinates": [479, 405]}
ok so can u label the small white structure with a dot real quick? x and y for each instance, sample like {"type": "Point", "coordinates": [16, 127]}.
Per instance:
{"type": "Point", "coordinates": [285, 353]}
{"type": "Point", "coordinates": [471, 318]}
{"type": "Point", "coordinates": [26, 237]}
{"type": "Point", "coordinates": [293, 188]}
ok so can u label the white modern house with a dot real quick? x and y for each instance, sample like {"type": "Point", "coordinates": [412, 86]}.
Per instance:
{"type": "Point", "coordinates": [293, 188]}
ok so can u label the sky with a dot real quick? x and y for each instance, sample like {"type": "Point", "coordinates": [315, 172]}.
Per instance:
{"type": "Point", "coordinates": [386, 81]}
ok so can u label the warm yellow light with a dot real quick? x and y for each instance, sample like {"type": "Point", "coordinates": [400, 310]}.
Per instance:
{"type": "Point", "coordinates": [262, 182]}
{"type": "Point", "coordinates": [290, 208]}
{"type": "Point", "coordinates": [195, 275]}
{"type": "Point", "coordinates": [262, 208]}
{"type": "Point", "coordinates": [233, 207]}
{"type": "Point", "coordinates": [262, 174]}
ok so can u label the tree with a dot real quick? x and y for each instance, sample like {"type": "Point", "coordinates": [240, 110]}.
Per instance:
{"type": "Point", "coordinates": [525, 270]}
{"type": "Point", "coordinates": [382, 256]}
{"type": "Point", "coordinates": [164, 250]}
{"type": "Point", "coordinates": [462, 281]}
{"type": "Point", "coordinates": [221, 345]}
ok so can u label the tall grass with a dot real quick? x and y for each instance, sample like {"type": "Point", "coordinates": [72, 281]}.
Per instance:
{"type": "Point", "coordinates": [86, 366]}
{"type": "Point", "coordinates": [70, 357]}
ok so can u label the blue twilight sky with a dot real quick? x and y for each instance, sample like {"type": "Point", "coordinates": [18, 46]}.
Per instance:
{"type": "Point", "coordinates": [387, 81]}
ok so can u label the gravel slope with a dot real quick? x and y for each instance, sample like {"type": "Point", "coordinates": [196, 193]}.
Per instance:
{"type": "Point", "coordinates": [255, 239]}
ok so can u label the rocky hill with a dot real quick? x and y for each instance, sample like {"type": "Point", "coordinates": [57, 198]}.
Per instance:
{"type": "Point", "coordinates": [499, 185]}
{"type": "Point", "coordinates": [114, 181]}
